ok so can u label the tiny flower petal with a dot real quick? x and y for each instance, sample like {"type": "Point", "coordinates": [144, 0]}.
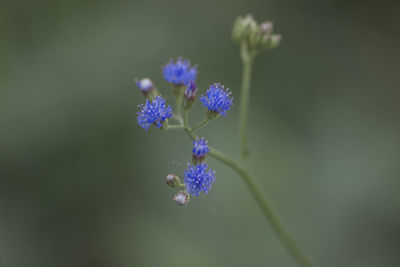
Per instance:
{"type": "Point", "coordinates": [198, 178]}
{"type": "Point", "coordinates": [153, 112]}
{"type": "Point", "coordinates": [200, 149]}
{"type": "Point", "coordinates": [179, 72]}
{"type": "Point", "coordinates": [217, 99]}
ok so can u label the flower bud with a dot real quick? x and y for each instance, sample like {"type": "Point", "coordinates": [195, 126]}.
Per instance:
{"type": "Point", "coordinates": [172, 180]}
{"type": "Point", "coordinates": [190, 94]}
{"type": "Point", "coordinates": [267, 27]}
{"type": "Point", "coordinates": [182, 198]}
{"type": "Point", "coordinates": [147, 87]}
{"type": "Point", "coordinates": [253, 36]}
{"type": "Point", "coordinates": [243, 27]}
{"type": "Point", "coordinates": [275, 40]}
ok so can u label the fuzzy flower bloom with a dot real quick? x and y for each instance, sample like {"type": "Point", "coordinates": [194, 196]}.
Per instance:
{"type": "Point", "coordinates": [200, 149]}
{"type": "Point", "coordinates": [179, 72]}
{"type": "Point", "coordinates": [198, 178]}
{"type": "Point", "coordinates": [153, 112]}
{"type": "Point", "coordinates": [145, 85]}
{"type": "Point", "coordinates": [217, 99]}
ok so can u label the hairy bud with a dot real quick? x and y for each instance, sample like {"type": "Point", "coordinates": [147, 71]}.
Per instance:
{"type": "Point", "coordinates": [172, 180]}
{"type": "Point", "coordinates": [257, 37]}
{"type": "Point", "coordinates": [182, 198]}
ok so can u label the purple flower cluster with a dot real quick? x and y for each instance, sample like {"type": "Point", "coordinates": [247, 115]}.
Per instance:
{"type": "Point", "coordinates": [217, 99]}
{"type": "Point", "coordinates": [153, 112]}
{"type": "Point", "coordinates": [200, 149]}
{"type": "Point", "coordinates": [179, 72]}
{"type": "Point", "coordinates": [198, 178]}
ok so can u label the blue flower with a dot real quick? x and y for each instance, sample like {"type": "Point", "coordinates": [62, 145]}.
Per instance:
{"type": "Point", "coordinates": [200, 149]}
{"type": "Point", "coordinates": [153, 112]}
{"type": "Point", "coordinates": [217, 99]}
{"type": "Point", "coordinates": [145, 85]}
{"type": "Point", "coordinates": [198, 178]}
{"type": "Point", "coordinates": [179, 73]}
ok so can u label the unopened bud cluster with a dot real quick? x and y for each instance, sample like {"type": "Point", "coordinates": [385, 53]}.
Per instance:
{"type": "Point", "coordinates": [182, 197]}
{"type": "Point", "coordinates": [256, 36]}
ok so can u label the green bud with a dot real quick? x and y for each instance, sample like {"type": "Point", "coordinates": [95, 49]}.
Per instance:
{"type": "Point", "coordinates": [275, 40]}
{"type": "Point", "coordinates": [256, 37]}
{"type": "Point", "coordinates": [243, 27]}
{"type": "Point", "coordinates": [172, 180]}
{"type": "Point", "coordinates": [267, 27]}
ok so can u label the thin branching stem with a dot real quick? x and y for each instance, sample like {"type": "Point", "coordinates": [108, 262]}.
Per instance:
{"type": "Point", "coordinates": [247, 60]}
{"type": "Point", "coordinates": [200, 124]}
{"type": "Point", "coordinates": [240, 166]}
{"type": "Point", "coordinates": [267, 207]}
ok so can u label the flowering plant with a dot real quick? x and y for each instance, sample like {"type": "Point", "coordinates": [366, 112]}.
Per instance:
{"type": "Point", "coordinates": [253, 38]}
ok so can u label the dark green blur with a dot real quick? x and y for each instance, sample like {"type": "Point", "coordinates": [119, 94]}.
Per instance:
{"type": "Point", "coordinates": [82, 185]}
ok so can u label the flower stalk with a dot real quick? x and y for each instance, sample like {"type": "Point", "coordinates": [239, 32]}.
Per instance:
{"type": "Point", "coordinates": [247, 60]}
{"type": "Point", "coordinates": [252, 38]}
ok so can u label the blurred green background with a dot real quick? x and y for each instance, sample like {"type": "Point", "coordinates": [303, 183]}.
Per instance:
{"type": "Point", "coordinates": [82, 185]}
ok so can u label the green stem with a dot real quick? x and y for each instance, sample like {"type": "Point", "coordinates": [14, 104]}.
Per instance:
{"type": "Point", "coordinates": [186, 125]}
{"type": "Point", "coordinates": [178, 92]}
{"type": "Point", "coordinates": [268, 209]}
{"type": "Point", "coordinates": [200, 124]}
{"type": "Point", "coordinates": [262, 200]}
{"type": "Point", "coordinates": [247, 59]}
{"type": "Point", "coordinates": [172, 127]}
{"type": "Point", "coordinates": [185, 119]}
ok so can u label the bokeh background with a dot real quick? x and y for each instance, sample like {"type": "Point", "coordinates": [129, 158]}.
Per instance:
{"type": "Point", "coordinates": [82, 185]}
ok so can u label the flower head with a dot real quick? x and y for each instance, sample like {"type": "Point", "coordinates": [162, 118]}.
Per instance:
{"type": "Point", "coordinates": [200, 149]}
{"type": "Point", "coordinates": [153, 112]}
{"type": "Point", "coordinates": [145, 85]}
{"type": "Point", "coordinates": [217, 99]}
{"type": "Point", "coordinates": [198, 178]}
{"type": "Point", "coordinates": [179, 73]}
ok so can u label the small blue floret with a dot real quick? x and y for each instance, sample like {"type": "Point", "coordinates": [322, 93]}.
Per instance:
{"type": "Point", "coordinates": [198, 178]}
{"type": "Point", "coordinates": [179, 72]}
{"type": "Point", "coordinates": [153, 112]}
{"type": "Point", "coordinates": [217, 99]}
{"type": "Point", "coordinates": [200, 149]}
